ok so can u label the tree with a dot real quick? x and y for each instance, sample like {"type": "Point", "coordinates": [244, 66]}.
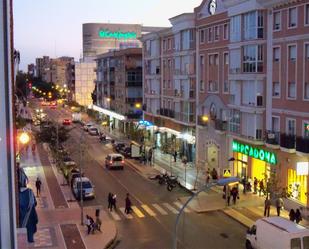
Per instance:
{"type": "Point", "coordinates": [21, 85]}
{"type": "Point", "coordinates": [48, 134]}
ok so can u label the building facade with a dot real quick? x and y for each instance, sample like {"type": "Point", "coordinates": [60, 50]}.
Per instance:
{"type": "Point", "coordinates": [119, 87]}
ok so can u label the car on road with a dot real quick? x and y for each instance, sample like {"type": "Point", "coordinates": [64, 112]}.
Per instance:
{"type": "Point", "coordinates": [66, 121]}
{"type": "Point", "coordinates": [118, 146]}
{"type": "Point", "coordinates": [68, 161]}
{"type": "Point", "coordinates": [126, 151]}
{"type": "Point", "coordinates": [87, 188]}
{"type": "Point", "coordinates": [87, 126]}
{"type": "Point", "coordinates": [114, 161]}
{"type": "Point", "coordinates": [94, 131]}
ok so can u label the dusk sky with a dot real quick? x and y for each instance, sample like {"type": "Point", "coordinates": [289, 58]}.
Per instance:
{"type": "Point", "coordinates": [54, 27]}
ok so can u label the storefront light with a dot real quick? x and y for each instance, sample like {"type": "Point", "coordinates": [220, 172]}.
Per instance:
{"type": "Point", "coordinates": [302, 168]}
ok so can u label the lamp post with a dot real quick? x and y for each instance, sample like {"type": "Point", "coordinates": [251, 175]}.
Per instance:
{"type": "Point", "coordinates": [81, 151]}
{"type": "Point", "coordinates": [220, 182]}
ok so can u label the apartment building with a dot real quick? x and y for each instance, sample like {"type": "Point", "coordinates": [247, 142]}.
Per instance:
{"type": "Point", "coordinates": [169, 85]}
{"type": "Point", "coordinates": [40, 65]}
{"type": "Point", "coordinates": [119, 87]}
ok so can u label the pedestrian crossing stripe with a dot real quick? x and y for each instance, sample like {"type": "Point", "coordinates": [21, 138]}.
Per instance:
{"type": "Point", "coordinates": [170, 208]}
{"type": "Point", "coordinates": [160, 210]}
{"type": "Point", "coordinates": [179, 205]}
{"type": "Point", "coordinates": [138, 212]}
{"type": "Point", "coordinates": [128, 216]}
{"type": "Point", "coordinates": [115, 216]}
{"type": "Point", "coordinates": [148, 210]}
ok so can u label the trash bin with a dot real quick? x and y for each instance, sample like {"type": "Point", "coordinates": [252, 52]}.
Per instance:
{"type": "Point", "coordinates": [97, 213]}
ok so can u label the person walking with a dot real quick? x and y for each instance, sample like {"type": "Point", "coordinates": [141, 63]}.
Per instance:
{"type": "Point", "coordinates": [38, 184]}
{"type": "Point", "coordinates": [98, 223]}
{"type": "Point", "coordinates": [292, 215]}
{"type": "Point", "coordinates": [114, 200]}
{"type": "Point", "coordinates": [267, 205]}
{"type": "Point", "coordinates": [244, 183]}
{"type": "Point", "coordinates": [109, 199]}
{"type": "Point", "coordinates": [88, 224]}
{"type": "Point", "coordinates": [175, 156]}
{"type": "Point", "coordinates": [234, 194]}
{"type": "Point", "coordinates": [261, 187]}
{"type": "Point", "coordinates": [255, 183]}
{"type": "Point", "coordinates": [279, 205]}
{"type": "Point", "coordinates": [150, 156]}
{"type": "Point", "coordinates": [128, 204]}
{"type": "Point", "coordinates": [298, 217]}
{"type": "Point", "coordinates": [228, 195]}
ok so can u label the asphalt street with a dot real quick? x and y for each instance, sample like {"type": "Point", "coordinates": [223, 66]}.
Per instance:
{"type": "Point", "coordinates": [152, 223]}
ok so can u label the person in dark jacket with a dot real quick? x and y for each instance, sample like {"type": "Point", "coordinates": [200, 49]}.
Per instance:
{"type": "Point", "coordinates": [267, 205]}
{"type": "Point", "coordinates": [109, 199]}
{"type": "Point", "coordinates": [234, 193]}
{"type": "Point", "coordinates": [114, 200]}
{"type": "Point", "coordinates": [38, 184]}
{"type": "Point", "coordinates": [298, 217]}
{"type": "Point", "coordinates": [128, 204]}
{"type": "Point", "coordinates": [292, 215]}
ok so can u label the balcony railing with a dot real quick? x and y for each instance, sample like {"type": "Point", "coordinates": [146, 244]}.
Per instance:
{"type": "Point", "coordinates": [167, 113]}
{"type": "Point", "coordinates": [287, 141]}
{"type": "Point", "coordinates": [302, 144]}
{"type": "Point", "coordinates": [272, 137]}
{"type": "Point", "coordinates": [134, 115]}
{"type": "Point", "coordinates": [134, 100]}
{"type": "Point", "coordinates": [220, 125]}
{"type": "Point", "coordinates": [134, 83]}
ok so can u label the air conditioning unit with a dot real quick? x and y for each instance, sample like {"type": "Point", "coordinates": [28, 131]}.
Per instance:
{"type": "Point", "coordinates": [259, 100]}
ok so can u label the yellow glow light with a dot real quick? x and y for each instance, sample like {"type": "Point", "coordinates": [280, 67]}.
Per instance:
{"type": "Point", "coordinates": [205, 118]}
{"type": "Point", "coordinates": [24, 138]}
{"type": "Point", "coordinates": [138, 105]}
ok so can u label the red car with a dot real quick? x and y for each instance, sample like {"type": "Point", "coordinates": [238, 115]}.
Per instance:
{"type": "Point", "coordinates": [66, 121]}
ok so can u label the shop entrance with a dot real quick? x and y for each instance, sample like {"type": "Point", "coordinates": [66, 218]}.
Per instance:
{"type": "Point", "coordinates": [260, 170]}
{"type": "Point", "coordinates": [240, 165]}
{"type": "Point", "coordinates": [297, 186]}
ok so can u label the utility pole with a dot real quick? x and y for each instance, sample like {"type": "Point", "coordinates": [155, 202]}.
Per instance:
{"type": "Point", "coordinates": [81, 152]}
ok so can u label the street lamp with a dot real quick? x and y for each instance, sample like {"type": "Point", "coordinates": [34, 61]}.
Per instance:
{"type": "Point", "coordinates": [138, 105]}
{"type": "Point", "coordinates": [220, 182]}
{"type": "Point", "coordinates": [205, 118]}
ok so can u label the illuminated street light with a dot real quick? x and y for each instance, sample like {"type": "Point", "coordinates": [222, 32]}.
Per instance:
{"type": "Point", "coordinates": [108, 99]}
{"type": "Point", "coordinates": [138, 105]}
{"type": "Point", "coordinates": [24, 138]}
{"type": "Point", "coordinates": [205, 118]}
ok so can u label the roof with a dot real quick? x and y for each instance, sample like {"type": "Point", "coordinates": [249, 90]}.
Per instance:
{"type": "Point", "coordinates": [115, 154]}
{"type": "Point", "coordinates": [84, 179]}
{"type": "Point", "coordinates": [284, 224]}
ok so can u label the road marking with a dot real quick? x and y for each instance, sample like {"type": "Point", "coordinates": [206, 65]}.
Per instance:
{"type": "Point", "coordinates": [148, 210]}
{"type": "Point", "coordinates": [160, 210]}
{"type": "Point", "coordinates": [115, 215]}
{"type": "Point", "coordinates": [128, 216]}
{"type": "Point", "coordinates": [138, 212]}
{"type": "Point", "coordinates": [169, 207]}
{"type": "Point", "coordinates": [180, 205]}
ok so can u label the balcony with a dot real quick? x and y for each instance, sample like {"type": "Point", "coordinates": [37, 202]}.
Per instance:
{"type": "Point", "coordinates": [302, 145]}
{"type": "Point", "coordinates": [134, 100]}
{"type": "Point", "coordinates": [134, 115]}
{"type": "Point", "coordinates": [272, 139]}
{"type": "Point", "coordinates": [167, 113]}
{"type": "Point", "coordinates": [220, 125]}
{"type": "Point", "coordinates": [287, 142]}
{"type": "Point", "coordinates": [134, 83]}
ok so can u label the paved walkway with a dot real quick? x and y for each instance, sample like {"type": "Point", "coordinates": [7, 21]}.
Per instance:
{"type": "Point", "coordinates": [59, 220]}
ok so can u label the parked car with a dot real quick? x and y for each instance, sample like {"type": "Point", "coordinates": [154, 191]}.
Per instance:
{"type": "Point", "coordinates": [74, 173]}
{"type": "Point", "coordinates": [68, 161]}
{"type": "Point", "coordinates": [118, 145]}
{"type": "Point", "coordinates": [94, 131]}
{"type": "Point", "coordinates": [114, 161]}
{"type": "Point", "coordinates": [126, 151]}
{"type": "Point", "coordinates": [66, 121]}
{"type": "Point", "coordinates": [104, 138]}
{"type": "Point", "coordinates": [87, 126]}
{"type": "Point", "coordinates": [87, 188]}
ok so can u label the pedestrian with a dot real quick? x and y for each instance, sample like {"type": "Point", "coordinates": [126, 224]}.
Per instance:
{"type": "Point", "coordinates": [214, 174]}
{"type": "Point", "coordinates": [38, 184]}
{"type": "Point", "coordinates": [150, 156]}
{"type": "Point", "coordinates": [88, 224]}
{"type": "Point", "coordinates": [33, 148]}
{"type": "Point", "coordinates": [114, 200]}
{"type": "Point", "coordinates": [128, 204]}
{"type": "Point", "coordinates": [261, 187]}
{"type": "Point", "coordinates": [175, 156]}
{"type": "Point", "coordinates": [234, 194]}
{"type": "Point", "coordinates": [298, 217]}
{"type": "Point", "coordinates": [255, 183]}
{"type": "Point", "coordinates": [244, 183]}
{"type": "Point", "coordinates": [97, 224]}
{"type": "Point", "coordinates": [228, 195]}
{"type": "Point", "coordinates": [109, 199]}
{"type": "Point", "coordinates": [292, 215]}
{"type": "Point", "coordinates": [267, 205]}
{"type": "Point", "coordinates": [279, 205]}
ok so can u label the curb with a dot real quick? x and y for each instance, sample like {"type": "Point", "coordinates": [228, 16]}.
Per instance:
{"type": "Point", "coordinates": [133, 166]}
{"type": "Point", "coordinates": [113, 242]}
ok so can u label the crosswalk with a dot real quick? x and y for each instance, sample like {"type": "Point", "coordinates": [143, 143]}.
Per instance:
{"type": "Point", "coordinates": [150, 210]}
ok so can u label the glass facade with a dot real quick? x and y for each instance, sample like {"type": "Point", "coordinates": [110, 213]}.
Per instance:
{"type": "Point", "coordinates": [297, 186]}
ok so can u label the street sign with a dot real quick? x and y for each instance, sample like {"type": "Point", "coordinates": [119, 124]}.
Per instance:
{"type": "Point", "coordinates": [227, 173]}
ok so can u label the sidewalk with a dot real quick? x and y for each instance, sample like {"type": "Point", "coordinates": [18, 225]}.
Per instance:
{"type": "Point", "coordinates": [59, 217]}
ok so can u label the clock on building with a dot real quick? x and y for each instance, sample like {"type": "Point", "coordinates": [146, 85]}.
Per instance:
{"type": "Point", "coordinates": [212, 6]}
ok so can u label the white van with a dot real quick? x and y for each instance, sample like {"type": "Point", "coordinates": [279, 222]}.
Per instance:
{"type": "Point", "coordinates": [277, 233]}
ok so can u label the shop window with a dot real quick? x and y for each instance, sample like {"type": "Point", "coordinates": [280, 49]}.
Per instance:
{"type": "Point", "coordinates": [306, 238]}
{"type": "Point", "coordinates": [297, 186]}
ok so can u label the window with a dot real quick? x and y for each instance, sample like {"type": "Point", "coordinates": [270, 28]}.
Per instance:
{"type": "Point", "coordinates": [226, 86]}
{"type": "Point", "coordinates": [307, 14]}
{"type": "Point", "coordinates": [307, 51]}
{"type": "Point", "coordinates": [306, 241]}
{"type": "Point", "coordinates": [212, 86]}
{"type": "Point", "coordinates": [164, 84]}
{"type": "Point", "coordinates": [253, 25]}
{"type": "Point", "coordinates": [296, 243]}
{"type": "Point", "coordinates": [276, 89]}
{"type": "Point", "coordinates": [169, 63]}
{"type": "Point", "coordinates": [202, 88]}
{"type": "Point", "coordinates": [292, 17]}
{"type": "Point", "coordinates": [291, 90]}
{"type": "Point", "coordinates": [235, 29]}
{"type": "Point", "coordinates": [202, 36]}
{"type": "Point", "coordinates": [275, 124]}
{"type": "Point", "coordinates": [306, 91]}
{"type": "Point", "coordinates": [169, 43]}
{"type": "Point", "coordinates": [211, 60]}
{"type": "Point", "coordinates": [277, 20]}
{"type": "Point", "coordinates": [225, 32]}
{"type": "Point", "coordinates": [164, 45]}
{"type": "Point", "coordinates": [210, 38]}
{"type": "Point", "coordinates": [202, 63]}
{"type": "Point", "coordinates": [276, 54]}
{"type": "Point", "coordinates": [217, 33]}
{"type": "Point", "coordinates": [226, 58]}
{"type": "Point", "coordinates": [168, 84]}
{"type": "Point", "coordinates": [216, 59]}
{"type": "Point", "coordinates": [306, 135]}
{"type": "Point", "coordinates": [291, 127]}
{"type": "Point", "coordinates": [234, 124]}
{"type": "Point", "coordinates": [253, 58]}
{"type": "Point", "coordinates": [292, 53]}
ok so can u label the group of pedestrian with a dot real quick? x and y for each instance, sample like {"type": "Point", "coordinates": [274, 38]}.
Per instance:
{"type": "Point", "coordinates": [211, 174]}
{"type": "Point", "coordinates": [295, 216]}
{"type": "Point", "coordinates": [229, 192]}
{"type": "Point", "coordinates": [91, 225]}
{"type": "Point", "coordinates": [112, 199]}
{"type": "Point", "coordinates": [267, 204]}
{"type": "Point", "coordinates": [258, 183]}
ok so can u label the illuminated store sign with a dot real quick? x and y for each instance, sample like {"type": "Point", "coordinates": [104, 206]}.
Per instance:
{"type": "Point", "coordinates": [257, 153]}
{"type": "Point", "coordinates": [117, 34]}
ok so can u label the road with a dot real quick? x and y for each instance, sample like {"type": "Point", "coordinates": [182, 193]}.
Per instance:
{"type": "Point", "coordinates": [152, 225]}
